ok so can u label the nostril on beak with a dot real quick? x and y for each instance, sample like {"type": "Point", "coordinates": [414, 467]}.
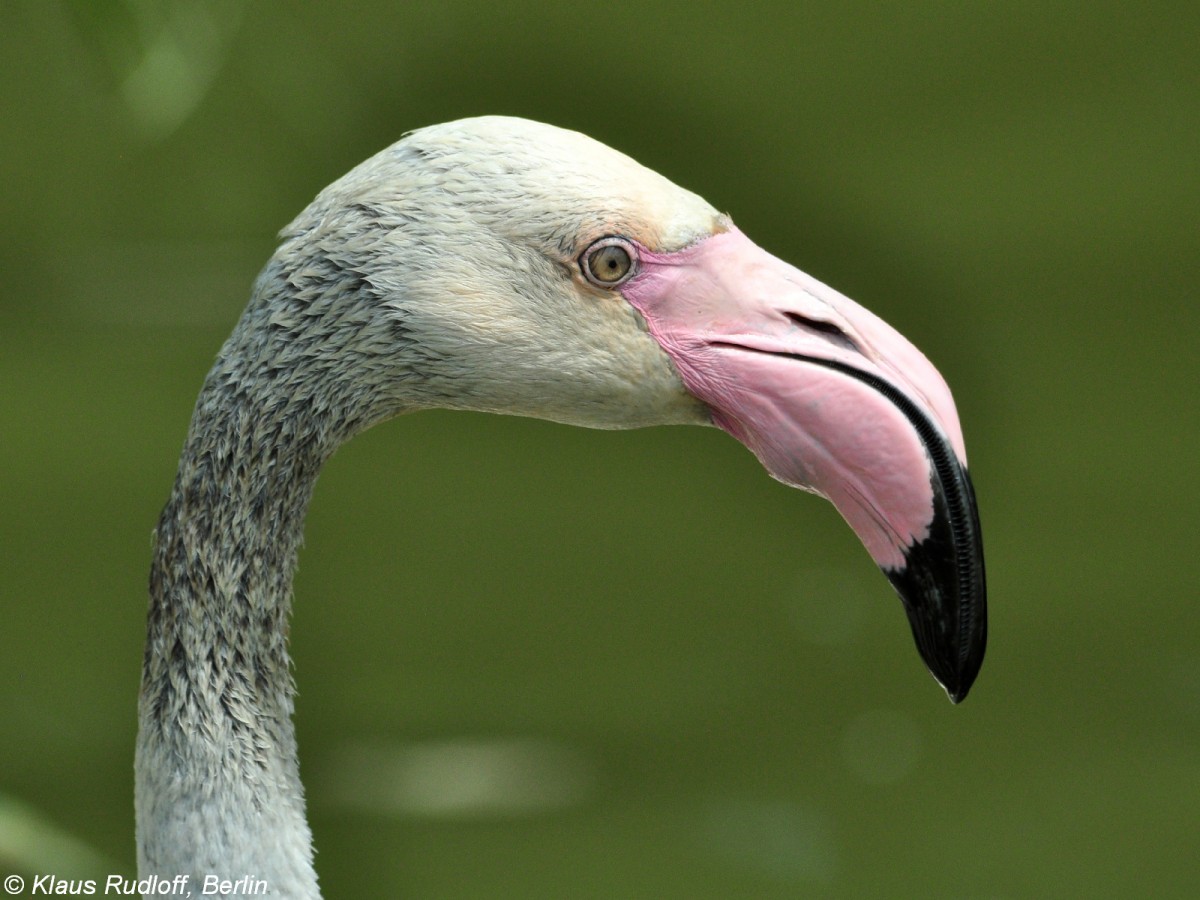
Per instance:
{"type": "Point", "coordinates": [832, 332]}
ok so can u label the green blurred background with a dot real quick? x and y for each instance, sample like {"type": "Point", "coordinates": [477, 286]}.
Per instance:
{"type": "Point", "coordinates": [543, 662]}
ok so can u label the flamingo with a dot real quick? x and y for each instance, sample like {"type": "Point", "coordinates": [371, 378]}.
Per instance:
{"type": "Point", "coordinates": [507, 266]}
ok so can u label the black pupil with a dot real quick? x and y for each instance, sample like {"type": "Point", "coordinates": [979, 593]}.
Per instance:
{"type": "Point", "coordinates": [613, 263]}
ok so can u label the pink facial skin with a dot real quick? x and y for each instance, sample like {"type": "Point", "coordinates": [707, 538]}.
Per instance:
{"type": "Point", "coordinates": [725, 311]}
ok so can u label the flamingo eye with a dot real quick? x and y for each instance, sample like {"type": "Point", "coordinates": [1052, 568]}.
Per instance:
{"type": "Point", "coordinates": [609, 262]}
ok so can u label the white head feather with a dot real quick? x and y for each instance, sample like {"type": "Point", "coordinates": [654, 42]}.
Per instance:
{"type": "Point", "coordinates": [469, 233]}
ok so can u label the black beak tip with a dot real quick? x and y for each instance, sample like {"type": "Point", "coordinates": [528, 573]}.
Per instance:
{"type": "Point", "coordinates": [958, 685]}
{"type": "Point", "coordinates": [944, 591]}
{"type": "Point", "coordinates": [956, 673]}
{"type": "Point", "coordinates": [951, 637]}
{"type": "Point", "coordinates": [951, 646]}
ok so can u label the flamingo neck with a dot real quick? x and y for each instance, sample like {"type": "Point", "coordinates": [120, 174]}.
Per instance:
{"type": "Point", "coordinates": [218, 789]}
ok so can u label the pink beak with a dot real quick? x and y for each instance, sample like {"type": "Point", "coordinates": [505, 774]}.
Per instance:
{"type": "Point", "coordinates": [833, 400]}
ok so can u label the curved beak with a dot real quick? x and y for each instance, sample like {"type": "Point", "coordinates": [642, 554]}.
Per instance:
{"type": "Point", "coordinates": [833, 400]}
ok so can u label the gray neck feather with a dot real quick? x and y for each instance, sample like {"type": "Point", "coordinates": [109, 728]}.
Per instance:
{"type": "Point", "coordinates": [218, 787]}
